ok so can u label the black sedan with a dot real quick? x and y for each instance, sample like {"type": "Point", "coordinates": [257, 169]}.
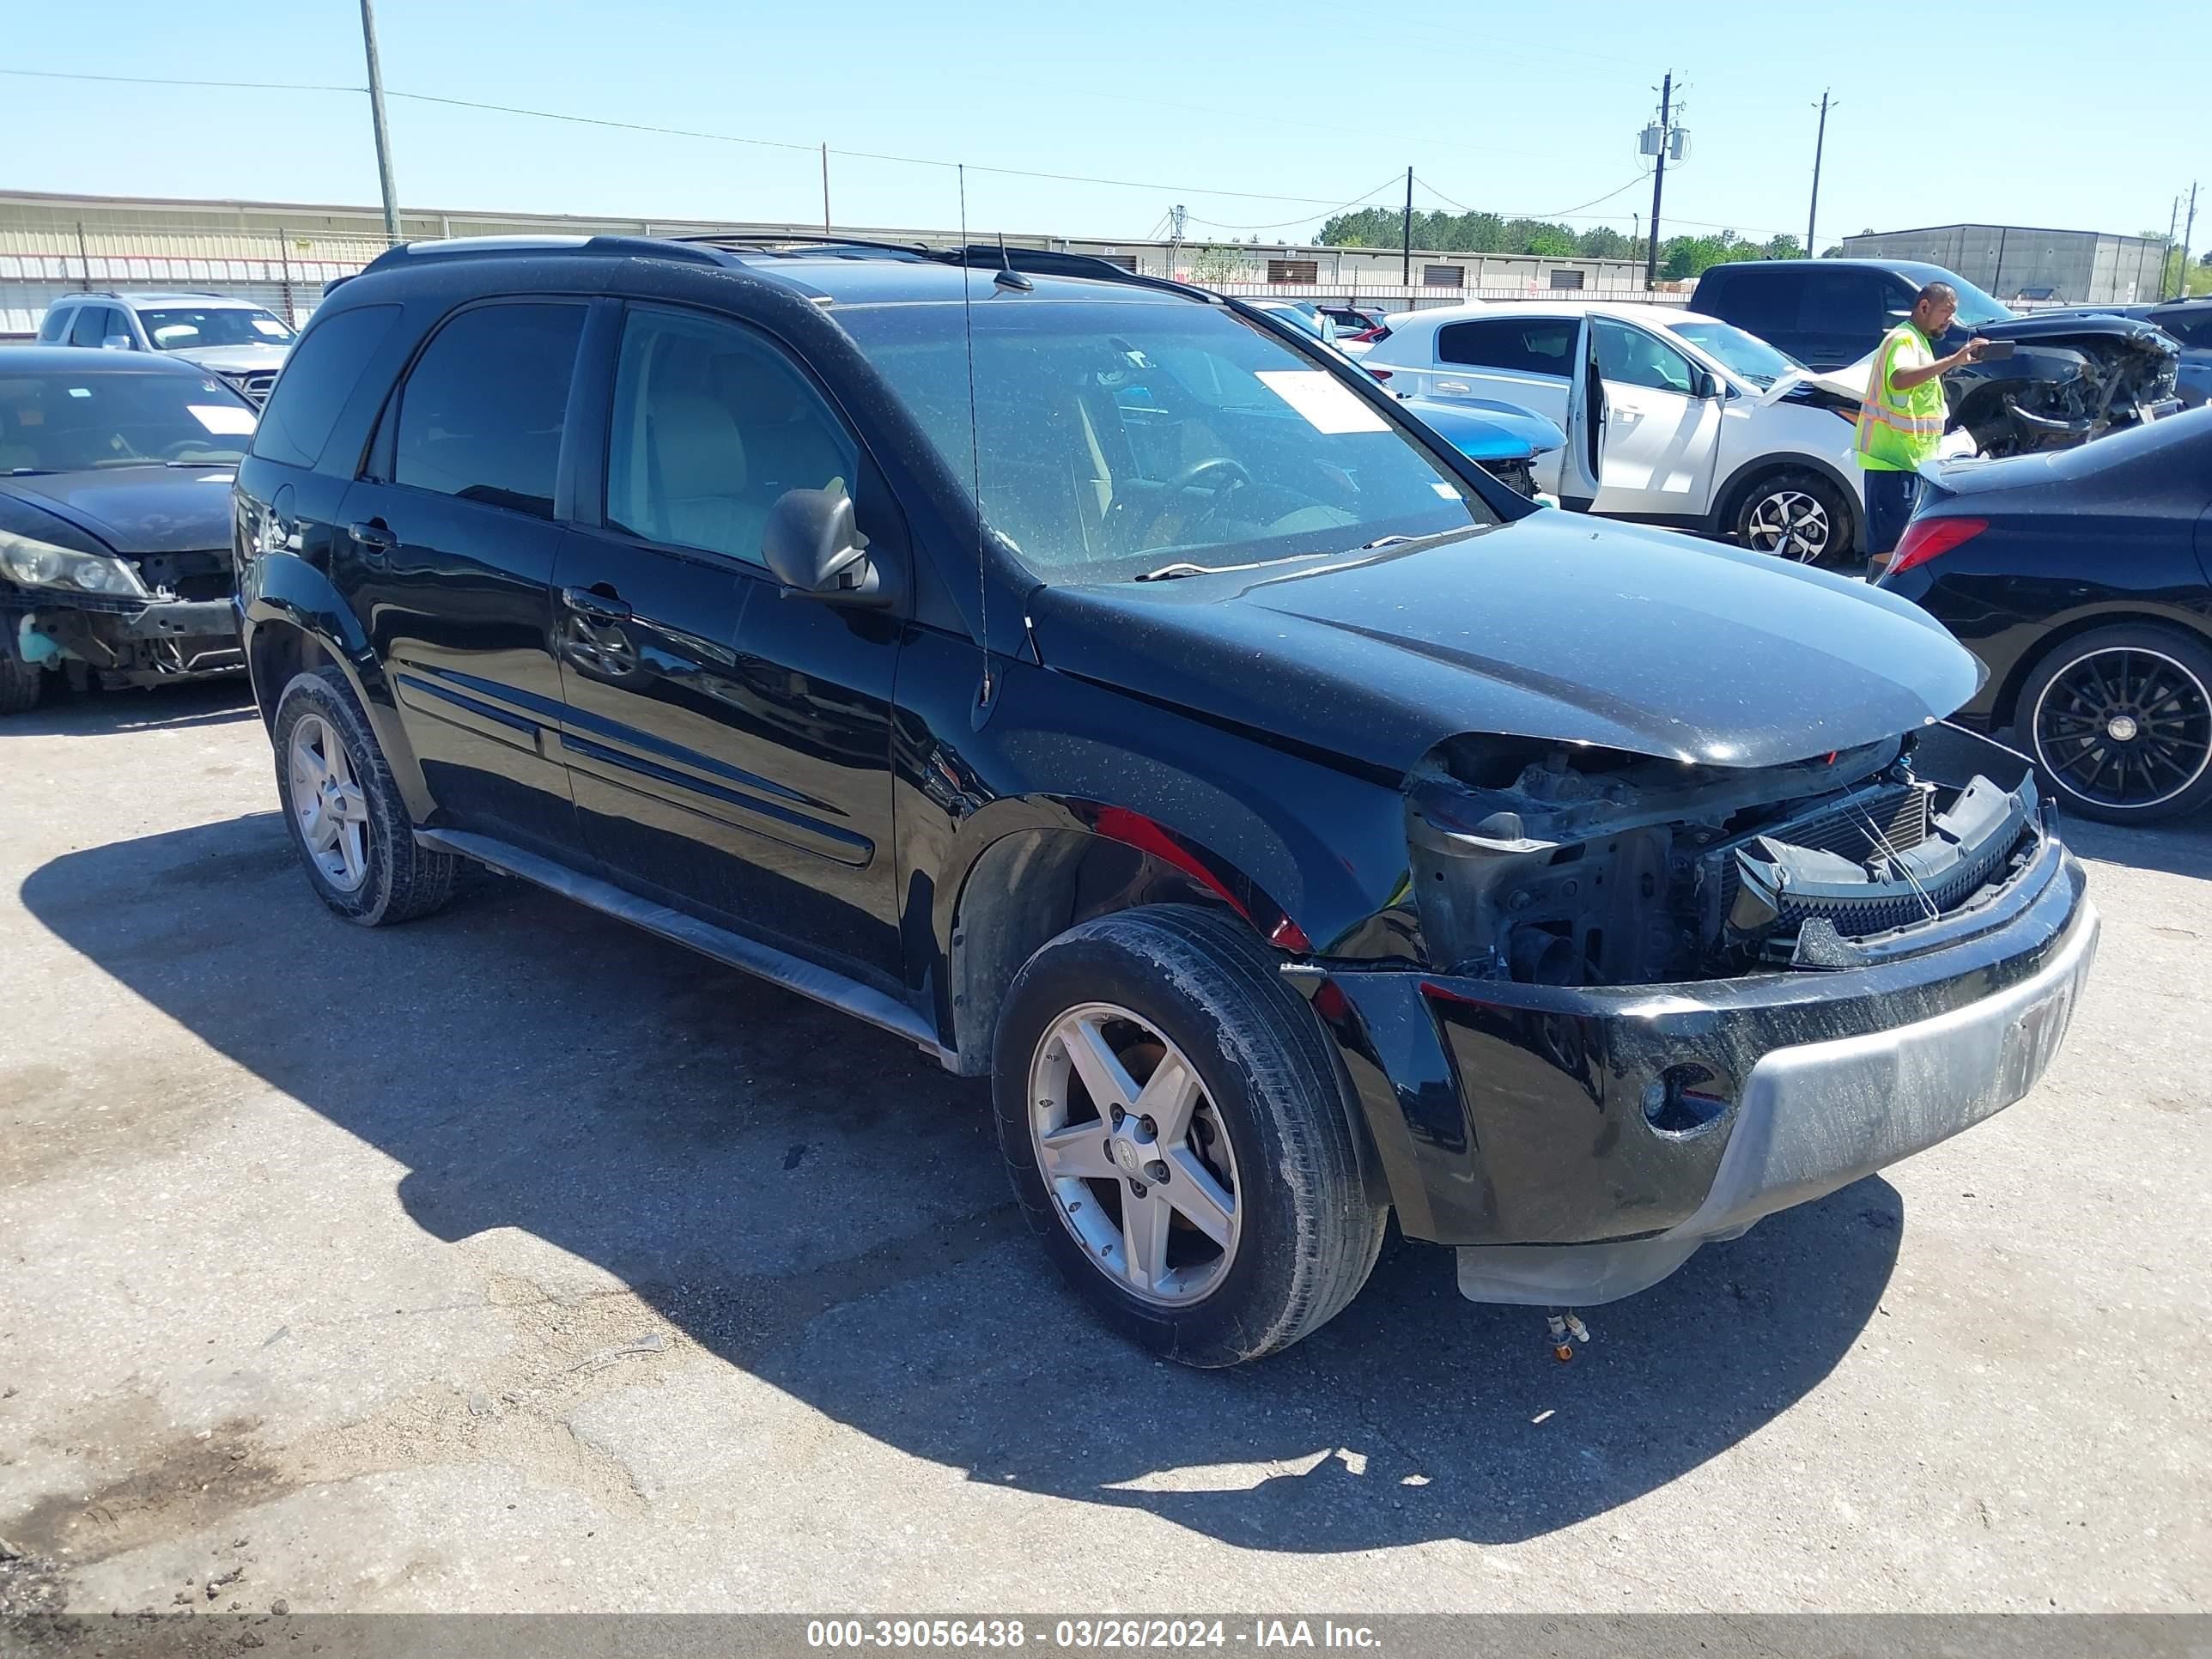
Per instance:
{"type": "Point", "coordinates": [115, 473]}
{"type": "Point", "coordinates": [2080, 579]}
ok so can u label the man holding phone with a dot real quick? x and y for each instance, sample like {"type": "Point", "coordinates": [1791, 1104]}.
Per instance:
{"type": "Point", "coordinates": [1901, 421]}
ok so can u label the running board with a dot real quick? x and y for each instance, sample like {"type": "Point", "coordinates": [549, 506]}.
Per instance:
{"type": "Point", "coordinates": [821, 985]}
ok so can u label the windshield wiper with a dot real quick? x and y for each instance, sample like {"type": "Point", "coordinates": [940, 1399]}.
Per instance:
{"type": "Point", "coordinates": [1185, 567]}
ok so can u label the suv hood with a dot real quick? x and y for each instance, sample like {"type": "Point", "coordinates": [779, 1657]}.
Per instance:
{"type": "Point", "coordinates": [138, 509]}
{"type": "Point", "coordinates": [1556, 626]}
{"type": "Point", "coordinates": [234, 359]}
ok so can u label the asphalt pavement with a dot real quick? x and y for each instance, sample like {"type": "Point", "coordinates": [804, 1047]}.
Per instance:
{"type": "Point", "coordinates": [517, 1260]}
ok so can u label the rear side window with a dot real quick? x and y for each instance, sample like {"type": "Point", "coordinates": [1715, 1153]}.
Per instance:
{"type": "Point", "coordinates": [318, 377]}
{"type": "Point", "coordinates": [2191, 328]}
{"type": "Point", "coordinates": [1844, 303]}
{"type": "Point", "coordinates": [1531, 345]}
{"type": "Point", "coordinates": [1763, 303]}
{"type": "Point", "coordinates": [480, 416]}
{"type": "Point", "coordinates": [53, 323]}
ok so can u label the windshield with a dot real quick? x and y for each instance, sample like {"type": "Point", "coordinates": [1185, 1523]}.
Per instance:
{"type": "Point", "coordinates": [1747, 354]}
{"type": "Point", "coordinates": [65, 420]}
{"type": "Point", "coordinates": [1115, 438]}
{"type": "Point", "coordinates": [188, 329]}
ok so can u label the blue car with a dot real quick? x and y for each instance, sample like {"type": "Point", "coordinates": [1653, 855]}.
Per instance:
{"type": "Point", "coordinates": [1504, 439]}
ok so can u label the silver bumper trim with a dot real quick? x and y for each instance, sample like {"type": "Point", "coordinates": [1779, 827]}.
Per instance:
{"type": "Point", "coordinates": [1816, 1117]}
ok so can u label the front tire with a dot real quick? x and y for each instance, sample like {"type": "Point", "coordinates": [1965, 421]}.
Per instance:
{"type": "Point", "coordinates": [1798, 516]}
{"type": "Point", "coordinates": [2119, 721]}
{"type": "Point", "coordinates": [20, 682]}
{"type": "Point", "coordinates": [1177, 1131]}
{"type": "Point", "coordinates": [347, 818]}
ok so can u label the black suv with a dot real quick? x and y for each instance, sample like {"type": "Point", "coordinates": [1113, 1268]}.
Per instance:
{"type": "Point", "coordinates": [1293, 822]}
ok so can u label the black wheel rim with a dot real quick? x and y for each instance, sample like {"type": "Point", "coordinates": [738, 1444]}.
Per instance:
{"type": "Point", "coordinates": [2124, 727]}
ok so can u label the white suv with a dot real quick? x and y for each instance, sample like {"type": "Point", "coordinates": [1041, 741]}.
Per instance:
{"type": "Point", "coordinates": [1705, 427]}
{"type": "Point", "coordinates": [243, 342]}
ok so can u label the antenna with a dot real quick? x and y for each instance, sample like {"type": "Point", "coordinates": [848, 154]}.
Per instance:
{"type": "Point", "coordinates": [974, 444]}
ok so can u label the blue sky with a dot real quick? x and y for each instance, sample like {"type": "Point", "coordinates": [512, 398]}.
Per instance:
{"type": "Point", "coordinates": [2018, 113]}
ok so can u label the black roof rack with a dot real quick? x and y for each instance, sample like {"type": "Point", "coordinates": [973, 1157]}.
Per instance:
{"type": "Point", "coordinates": [1051, 262]}
{"type": "Point", "coordinates": [460, 247]}
{"type": "Point", "coordinates": [774, 241]}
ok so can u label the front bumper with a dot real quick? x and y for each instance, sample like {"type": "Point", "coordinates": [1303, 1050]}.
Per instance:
{"type": "Point", "coordinates": [135, 639]}
{"type": "Point", "coordinates": [1510, 1120]}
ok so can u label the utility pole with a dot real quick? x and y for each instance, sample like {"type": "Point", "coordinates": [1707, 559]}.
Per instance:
{"type": "Point", "coordinates": [1406, 271]}
{"type": "Point", "coordinates": [1813, 212]}
{"type": "Point", "coordinates": [2188, 230]}
{"type": "Point", "coordinates": [2173, 218]}
{"type": "Point", "coordinates": [1658, 178]}
{"type": "Point", "coordinates": [376, 117]}
{"type": "Point", "coordinates": [825, 187]}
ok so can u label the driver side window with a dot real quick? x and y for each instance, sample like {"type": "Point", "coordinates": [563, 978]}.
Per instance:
{"type": "Point", "coordinates": [711, 427]}
{"type": "Point", "coordinates": [1629, 357]}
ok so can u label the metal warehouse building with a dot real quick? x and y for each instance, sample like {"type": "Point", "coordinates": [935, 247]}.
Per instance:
{"type": "Point", "coordinates": [2017, 262]}
{"type": "Point", "coordinates": [281, 253]}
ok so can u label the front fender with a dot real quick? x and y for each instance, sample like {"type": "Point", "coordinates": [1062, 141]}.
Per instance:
{"type": "Point", "coordinates": [283, 592]}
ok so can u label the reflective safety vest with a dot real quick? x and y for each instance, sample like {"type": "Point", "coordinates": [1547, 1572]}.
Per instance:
{"type": "Point", "coordinates": [1898, 430]}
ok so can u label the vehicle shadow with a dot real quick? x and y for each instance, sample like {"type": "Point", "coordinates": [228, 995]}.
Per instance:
{"type": "Point", "coordinates": [159, 708]}
{"type": "Point", "coordinates": [818, 1203]}
{"type": "Point", "coordinates": [2182, 847]}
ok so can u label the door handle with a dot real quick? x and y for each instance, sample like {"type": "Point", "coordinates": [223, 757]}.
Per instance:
{"type": "Point", "coordinates": [374, 534]}
{"type": "Point", "coordinates": [1453, 385]}
{"type": "Point", "coordinates": [597, 607]}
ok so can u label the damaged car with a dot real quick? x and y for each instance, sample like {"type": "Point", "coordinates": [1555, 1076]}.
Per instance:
{"type": "Point", "coordinates": [115, 474]}
{"type": "Point", "coordinates": [2057, 380]}
{"type": "Point", "coordinates": [1103, 686]}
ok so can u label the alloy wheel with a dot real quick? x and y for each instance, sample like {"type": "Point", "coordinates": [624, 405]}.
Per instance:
{"type": "Point", "coordinates": [328, 804]}
{"type": "Point", "coordinates": [1134, 1153]}
{"type": "Point", "coordinates": [2123, 727]}
{"type": "Point", "coordinates": [1792, 525]}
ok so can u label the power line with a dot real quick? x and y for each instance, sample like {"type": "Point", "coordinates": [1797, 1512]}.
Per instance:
{"type": "Point", "coordinates": [172, 81]}
{"type": "Point", "coordinates": [1324, 202]}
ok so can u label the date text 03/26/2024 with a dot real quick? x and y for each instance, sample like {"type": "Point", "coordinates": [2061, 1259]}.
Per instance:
{"type": "Point", "coordinates": [1087, 1635]}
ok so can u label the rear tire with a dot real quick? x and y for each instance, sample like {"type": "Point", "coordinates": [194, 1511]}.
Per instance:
{"type": "Point", "coordinates": [354, 836]}
{"type": "Point", "coordinates": [2119, 721]}
{"type": "Point", "coordinates": [1269, 1119]}
{"type": "Point", "coordinates": [20, 682]}
{"type": "Point", "coordinates": [1798, 516]}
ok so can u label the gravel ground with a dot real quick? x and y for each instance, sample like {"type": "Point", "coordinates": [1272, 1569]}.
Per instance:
{"type": "Point", "coordinates": [516, 1259]}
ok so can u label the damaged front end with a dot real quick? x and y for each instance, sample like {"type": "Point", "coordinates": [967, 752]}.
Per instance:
{"type": "Point", "coordinates": [1659, 1000]}
{"type": "Point", "coordinates": [1606, 869]}
{"type": "Point", "coordinates": [2062, 388]}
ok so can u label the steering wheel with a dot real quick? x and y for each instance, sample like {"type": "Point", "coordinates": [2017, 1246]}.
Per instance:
{"type": "Point", "coordinates": [1193, 476]}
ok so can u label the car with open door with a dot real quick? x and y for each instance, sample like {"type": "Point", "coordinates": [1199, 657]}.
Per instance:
{"type": "Point", "coordinates": [1105, 687]}
{"type": "Point", "coordinates": [1706, 428]}
{"type": "Point", "coordinates": [2079, 579]}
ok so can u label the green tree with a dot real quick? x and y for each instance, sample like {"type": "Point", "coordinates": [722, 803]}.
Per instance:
{"type": "Point", "coordinates": [1783, 246]}
{"type": "Point", "coordinates": [1602, 242]}
{"type": "Point", "coordinates": [1212, 267]}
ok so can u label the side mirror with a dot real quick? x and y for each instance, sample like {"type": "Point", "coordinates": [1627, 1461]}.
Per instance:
{"type": "Point", "coordinates": [1705, 385]}
{"type": "Point", "coordinates": [813, 547]}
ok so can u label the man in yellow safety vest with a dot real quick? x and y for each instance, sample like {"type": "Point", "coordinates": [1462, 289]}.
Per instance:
{"type": "Point", "coordinates": [1901, 422]}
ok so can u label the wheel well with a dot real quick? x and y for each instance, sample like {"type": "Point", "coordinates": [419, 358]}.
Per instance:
{"type": "Point", "coordinates": [2003, 712]}
{"type": "Point", "coordinates": [1026, 890]}
{"type": "Point", "coordinates": [280, 650]}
